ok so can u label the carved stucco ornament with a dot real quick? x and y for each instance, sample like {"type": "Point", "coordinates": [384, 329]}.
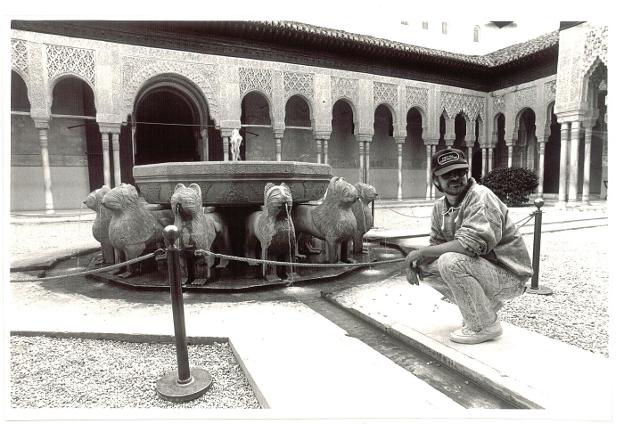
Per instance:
{"type": "Point", "coordinates": [385, 93]}
{"type": "Point", "coordinates": [455, 103]}
{"type": "Point", "coordinates": [344, 88]}
{"type": "Point", "coordinates": [70, 60]}
{"type": "Point", "coordinates": [136, 71]}
{"type": "Point", "coordinates": [298, 83]}
{"type": "Point", "coordinates": [253, 79]}
{"type": "Point", "coordinates": [416, 96]}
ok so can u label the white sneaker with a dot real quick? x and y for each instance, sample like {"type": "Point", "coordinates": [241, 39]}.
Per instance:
{"type": "Point", "coordinates": [467, 336]}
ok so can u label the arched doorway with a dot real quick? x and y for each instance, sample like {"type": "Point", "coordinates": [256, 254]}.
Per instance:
{"type": "Point", "coordinates": [298, 143]}
{"type": "Point", "coordinates": [257, 130]}
{"type": "Point", "coordinates": [343, 149]}
{"type": "Point", "coordinates": [460, 133]}
{"type": "Point", "coordinates": [500, 147]}
{"type": "Point", "coordinates": [525, 151]}
{"type": "Point", "coordinates": [165, 128]}
{"type": "Point", "coordinates": [170, 122]}
{"type": "Point", "coordinates": [74, 143]}
{"type": "Point", "coordinates": [414, 157]}
{"type": "Point", "coordinates": [383, 154]}
{"type": "Point", "coordinates": [551, 154]}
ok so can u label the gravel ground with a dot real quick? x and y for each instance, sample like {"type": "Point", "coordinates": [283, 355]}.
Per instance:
{"type": "Point", "coordinates": [574, 265]}
{"type": "Point", "coordinates": [111, 374]}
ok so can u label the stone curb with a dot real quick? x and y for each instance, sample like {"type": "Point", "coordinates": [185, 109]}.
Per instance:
{"type": "Point", "coordinates": [506, 388]}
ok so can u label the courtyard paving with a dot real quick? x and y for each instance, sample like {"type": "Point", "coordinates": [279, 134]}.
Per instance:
{"type": "Point", "coordinates": [294, 375]}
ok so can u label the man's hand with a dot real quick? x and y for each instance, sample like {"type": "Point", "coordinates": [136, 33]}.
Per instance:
{"type": "Point", "coordinates": [414, 258]}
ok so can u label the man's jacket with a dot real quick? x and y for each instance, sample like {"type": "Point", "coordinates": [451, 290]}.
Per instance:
{"type": "Point", "coordinates": [481, 223]}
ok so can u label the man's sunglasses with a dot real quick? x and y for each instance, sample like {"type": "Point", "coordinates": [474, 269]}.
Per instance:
{"type": "Point", "coordinates": [455, 172]}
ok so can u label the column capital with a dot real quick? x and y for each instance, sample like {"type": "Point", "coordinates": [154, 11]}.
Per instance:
{"type": "Point", "coordinates": [321, 135]}
{"type": "Point", "coordinates": [278, 133]}
{"type": "Point", "coordinates": [109, 127]}
{"type": "Point", "coordinates": [366, 138]}
{"type": "Point", "coordinates": [470, 142]}
{"type": "Point", "coordinates": [431, 141]}
{"type": "Point", "coordinates": [226, 132]}
{"type": "Point", "coordinates": [400, 139]}
{"type": "Point", "coordinates": [41, 123]}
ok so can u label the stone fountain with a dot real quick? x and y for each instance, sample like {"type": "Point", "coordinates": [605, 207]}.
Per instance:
{"type": "Point", "coordinates": [253, 209]}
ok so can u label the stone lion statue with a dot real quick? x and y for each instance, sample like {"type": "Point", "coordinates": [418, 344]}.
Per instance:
{"type": "Point", "coordinates": [101, 223]}
{"type": "Point", "coordinates": [133, 230]}
{"type": "Point", "coordinates": [332, 220]}
{"type": "Point", "coordinates": [273, 229]}
{"type": "Point", "coordinates": [363, 214]}
{"type": "Point", "coordinates": [235, 142]}
{"type": "Point", "coordinates": [198, 230]}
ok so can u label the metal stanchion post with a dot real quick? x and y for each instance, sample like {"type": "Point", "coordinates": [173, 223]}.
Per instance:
{"type": "Point", "coordinates": [183, 384]}
{"type": "Point", "coordinates": [537, 236]}
{"type": "Point", "coordinates": [373, 212]}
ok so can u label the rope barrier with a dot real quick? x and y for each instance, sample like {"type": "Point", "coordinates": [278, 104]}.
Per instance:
{"type": "Point", "coordinates": [524, 220]}
{"type": "Point", "coordinates": [251, 261]}
{"type": "Point", "coordinates": [94, 271]}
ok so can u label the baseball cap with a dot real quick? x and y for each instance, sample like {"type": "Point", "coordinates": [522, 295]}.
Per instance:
{"type": "Point", "coordinates": [448, 160]}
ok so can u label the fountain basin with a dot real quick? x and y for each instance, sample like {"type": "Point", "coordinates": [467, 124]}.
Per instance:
{"type": "Point", "coordinates": [232, 183]}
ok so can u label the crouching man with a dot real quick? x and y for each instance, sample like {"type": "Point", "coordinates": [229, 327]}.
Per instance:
{"type": "Point", "coordinates": [476, 257]}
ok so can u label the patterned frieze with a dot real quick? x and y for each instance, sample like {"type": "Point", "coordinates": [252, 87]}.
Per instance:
{"type": "Point", "coordinates": [416, 96]}
{"type": "Point", "coordinates": [498, 103]}
{"type": "Point", "coordinates": [526, 97]}
{"type": "Point", "coordinates": [298, 83]}
{"type": "Point", "coordinates": [344, 87]}
{"type": "Point", "coordinates": [137, 70]}
{"type": "Point", "coordinates": [70, 60]}
{"type": "Point", "coordinates": [455, 103]}
{"type": "Point", "coordinates": [550, 91]}
{"type": "Point", "coordinates": [595, 47]}
{"type": "Point", "coordinates": [385, 93]}
{"type": "Point", "coordinates": [255, 79]}
{"type": "Point", "coordinates": [19, 56]}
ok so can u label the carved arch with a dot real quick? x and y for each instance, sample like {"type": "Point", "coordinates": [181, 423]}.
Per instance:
{"type": "Point", "coordinates": [193, 95]}
{"type": "Point", "coordinates": [307, 101]}
{"type": "Point", "coordinates": [137, 71]}
{"type": "Point", "coordinates": [356, 125]}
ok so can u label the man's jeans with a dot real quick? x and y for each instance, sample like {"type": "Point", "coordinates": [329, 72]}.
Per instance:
{"type": "Point", "coordinates": [474, 284]}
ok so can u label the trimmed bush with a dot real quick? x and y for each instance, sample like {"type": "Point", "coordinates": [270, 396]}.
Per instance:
{"type": "Point", "coordinates": [512, 185]}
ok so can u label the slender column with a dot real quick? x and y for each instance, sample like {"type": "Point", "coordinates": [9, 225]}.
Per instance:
{"type": "Point", "coordinates": [361, 170]}
{"type": "Point", "coordinates": [367, 161]}
{"type": "Point", "coordinates": [490, 157]}
{"type": "Point", "coordinates": [469, 161]}
{"type": "Point", "coordinates": [106, 159]}
{"type": "Point", "coordinates": [400, 171]}
{"type": "Point", "coordinates": [573, 166]}
{"type": "Point", "coordinates": [226, 147]}
{"type": "Point", "coordinates": [540, 169]}
{"type": "Point", "coordinates": [319, 150]}
{"type": "Point", "coordinates": [604, 173]}
{"type": "Point", "coordinates": [563, 163]}
{"type": "Point", "coordinates": [429, 182]}
{"type": "Point", "coordinates": [278, 149]}
{"type": "Point", "coordinates": [134, 128]}
{"type": "Point", "coordinates": [510, 156]}
{"type": "Point", "coordinates": [484, 162]}
{"type": "Point", "coordinates": [45, 164]}
{"type": "Point", "coordinates": [326, 150]}
{"type": "Point", "coordinates": [205, 144]}
{"type": "Point", "coordinates": [587, 163]}
{"type": "Point", "coordinates": [116, 160]}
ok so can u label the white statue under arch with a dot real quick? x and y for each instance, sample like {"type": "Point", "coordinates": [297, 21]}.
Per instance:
{"type": "Point", "coordinates": [235, 143]}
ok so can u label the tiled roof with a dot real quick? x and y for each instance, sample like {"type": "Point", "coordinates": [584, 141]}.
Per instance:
{"type": "Point", "coordinates": [497, 58]}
